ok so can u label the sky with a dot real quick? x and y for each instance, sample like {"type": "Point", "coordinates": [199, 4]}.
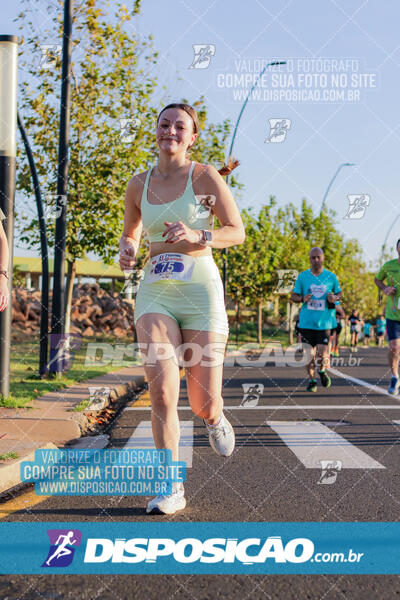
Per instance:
{"type": "Point", "coordinates": [335, 101]}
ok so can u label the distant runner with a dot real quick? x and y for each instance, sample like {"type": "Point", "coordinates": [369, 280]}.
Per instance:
{"type": "Point", "coordinates": [314, 288]}
{"type": "Point", "coordinates": [340, 315]}
{"type": "Point", "coordinates": [390, 272]}
{"type": "Point", "coordinates": [380, 328]}
{"type": "Point", "coordinates": [368, 329]}
{"type": "Point", "coordinates": [355, 329]}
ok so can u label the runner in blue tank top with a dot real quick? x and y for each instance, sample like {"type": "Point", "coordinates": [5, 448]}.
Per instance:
{"type": "Point", "coordinates": [317, 289]}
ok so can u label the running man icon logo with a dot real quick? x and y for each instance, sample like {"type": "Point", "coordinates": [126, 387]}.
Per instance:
{"type": "Point", "coordinates": [61, 355]}
{"type": "Point", "coordinates": [251, 394]}
{"type": "Point", "coordinates": [330, 470]}
{"type": "Point", "coordinates": [357, 206]}
{"type": "Point", "coordinates": [128, 129]}
{"type": "Point", "coordinates": [132, 281]}
{"type": "Point", "coordinates": [50, 54]}
{"type": "Point", "coordinates": [62, 547]}
{"type": "Point", "coordinates": [202, 55]}
{"type": "Point", "coordinates": [278, 129]}
{"type": "Point", "coordinates": [204, 205]}
{"type": "Point", "coordinates": [287, 279]}
{"type": "Point", "coordinates": [54, 205]}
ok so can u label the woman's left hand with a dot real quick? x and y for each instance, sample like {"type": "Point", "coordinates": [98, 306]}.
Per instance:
{"type": "Point", "coordinates": [4, 293]}
{"type": "Point", "coordinates": [178, 231]}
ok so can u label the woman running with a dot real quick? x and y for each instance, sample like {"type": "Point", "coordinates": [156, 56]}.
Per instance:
{"type": "Point", "coordinates": [181, 297]}
{"type": "Point", "coordinates": [355, 325]}
{"type": "Point", "coordinates": [340, 315]}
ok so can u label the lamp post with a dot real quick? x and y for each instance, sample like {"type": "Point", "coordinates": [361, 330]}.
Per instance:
{"type": "Point", "coordinates": [44, 316]}
{"type": "Point", "coordinates": [387, 235]}
{"type": "Point", "coordinates": [58, 302]}
{"type": "Point", "coordinates": [225, 250]}
{"type": "Point", "coordinates": [8, 129]}
{"type": "Point", "coordinates": [340, 167]}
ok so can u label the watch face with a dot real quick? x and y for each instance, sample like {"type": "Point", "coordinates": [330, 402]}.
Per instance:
{"type": "Point", "coordinates": [207, 235]}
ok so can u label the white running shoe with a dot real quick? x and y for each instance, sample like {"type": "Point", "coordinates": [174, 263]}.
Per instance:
{"type": "Point", "coordinates": [221, 436]}
{"type": "Point", "coordinates": [168, 504]}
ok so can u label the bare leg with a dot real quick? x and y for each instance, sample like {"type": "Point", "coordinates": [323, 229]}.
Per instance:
{"type": "Point", "coordinates": [323, 358]}
{"type": "Point", "coordinates": [311, 365]}
{"type": "Point", "coordinates": [163, 336]}
{"type": "Point", "coordinates": [394, 355]}
{"type": "Point", "coordinates": [204, 375]}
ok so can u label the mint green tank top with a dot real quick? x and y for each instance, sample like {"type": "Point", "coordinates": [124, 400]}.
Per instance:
{"type": "Point", "coordinates": [188, 208]}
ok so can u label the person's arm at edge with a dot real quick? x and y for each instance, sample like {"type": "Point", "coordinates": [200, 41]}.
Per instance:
{"type": "Point", "coordinates": [132, 231]}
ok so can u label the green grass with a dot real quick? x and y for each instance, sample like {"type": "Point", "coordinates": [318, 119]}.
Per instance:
{"type": "Point", "coordinates": [25, 383]}
{"type": "Point", "coordinates": [248, 333]}
{"type": "Point", "coordinates": [9, 455]}
{"type": "Point", "coordinates": [82, 405]}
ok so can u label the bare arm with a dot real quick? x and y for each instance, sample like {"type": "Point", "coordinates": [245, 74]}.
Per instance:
{"type": "Point", "coordinates": [210, 183]}
{"type": "Point", "coordinates": [388, 290]}
{"type": "Point", "coordinates": [231, 232]}
{"type": "Point", "coordinates": [296, 297]}
{"type": "Point", "coordinates": [333, 297]}
{"type": "Point", "coordinates": [4, 258]}
{"type": "Point", "coordinates": [130, 238]}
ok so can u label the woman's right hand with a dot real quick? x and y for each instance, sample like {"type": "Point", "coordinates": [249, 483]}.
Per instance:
{"type": "Point", "coordinates": [389, 290]}
{"type": "Point", "coordinates": [127, 256]}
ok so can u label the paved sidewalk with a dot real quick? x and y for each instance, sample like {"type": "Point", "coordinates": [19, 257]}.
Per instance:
{"type": "Point", "coordinates": [52, 422]}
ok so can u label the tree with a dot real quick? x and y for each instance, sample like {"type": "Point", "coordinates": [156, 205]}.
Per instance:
{"type": "Point", "coordinates": [111, 130]}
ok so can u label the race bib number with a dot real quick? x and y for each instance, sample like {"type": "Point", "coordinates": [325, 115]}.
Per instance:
{"type": "Point", "coordinates": [316, 304]}
{"type": "Point", "coordinates": [170, 266]}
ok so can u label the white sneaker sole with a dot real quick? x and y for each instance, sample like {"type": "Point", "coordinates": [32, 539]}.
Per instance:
{"type": "Point", "coordinates": [167, 511]}
{"type": "Point", "coordinates": [225, 455]}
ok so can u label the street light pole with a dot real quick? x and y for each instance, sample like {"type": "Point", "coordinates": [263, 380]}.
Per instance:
{"type": "Point", "coordinates": [57, 317]}
{"type": "Point", "coordinates": [44, 315]}
{"type": "Point", "coordinates": [387, 235]}
{"type": "Point", "coordinates": [225, 250]}
{"type": "Point", "coordinates": [8, 132]}
{"type": "Point", "coordinates": [332, 180]}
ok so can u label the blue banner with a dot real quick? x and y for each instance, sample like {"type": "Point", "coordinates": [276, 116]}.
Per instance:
{"type": "Point", "coordinates": [111, 472]}
{"type": "Point", "coordinates": [208, 548]}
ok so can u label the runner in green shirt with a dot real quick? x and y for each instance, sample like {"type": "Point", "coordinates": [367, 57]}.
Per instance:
{"type": "Point", "coordinates": [388, 280]}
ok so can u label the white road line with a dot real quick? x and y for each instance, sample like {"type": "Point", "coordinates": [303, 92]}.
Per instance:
{"type": "Point", "coordinates": [372, 387]}
{"type": "Point", "coordinates": [312, 442]}
{"type": "Point", "coordinates": [294, 407]}
{"type": "Point", "coordinates": [142, 437]}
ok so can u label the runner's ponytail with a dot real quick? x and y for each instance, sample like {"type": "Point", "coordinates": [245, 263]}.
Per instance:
{"type": "Point", "coordinates": [227, 169]}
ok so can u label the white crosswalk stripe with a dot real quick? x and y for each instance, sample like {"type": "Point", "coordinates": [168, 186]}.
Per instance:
{"type": "Point", "coordinates": [142, 437]}
{"type": "Point", "coordinates": [312, 442]}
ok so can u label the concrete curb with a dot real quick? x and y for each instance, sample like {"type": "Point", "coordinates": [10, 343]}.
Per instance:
{"type": "Point", "coordinates": [76, 424]}
{"type": "Point", "coordinates": [9, 473]}
{"type": "Point", "coordinates": [103, 400]}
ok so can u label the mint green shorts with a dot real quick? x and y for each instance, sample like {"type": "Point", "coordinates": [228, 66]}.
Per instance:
{"type": "Point", "coordinates": [196, 304]}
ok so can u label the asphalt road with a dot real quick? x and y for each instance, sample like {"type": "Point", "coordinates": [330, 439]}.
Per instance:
{"type": "Point", "coordinates": [274, 474]}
